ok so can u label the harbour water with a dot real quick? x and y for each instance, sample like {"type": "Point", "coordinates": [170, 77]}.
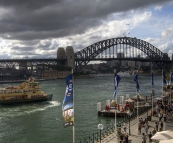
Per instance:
{"type": "Point", "coordinates": [42, 123]}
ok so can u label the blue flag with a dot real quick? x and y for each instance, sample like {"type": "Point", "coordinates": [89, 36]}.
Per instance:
{"type": "Point", "coordinates": [67, 106]}
{"type": "Point", "coordinates": [164, 79]}
{"type": "Point", "coordinates": [152, 79]}
{"type": "Point", "coordinates": [116, 82]}
{"type": "Point", "coordinates": [137, 84]}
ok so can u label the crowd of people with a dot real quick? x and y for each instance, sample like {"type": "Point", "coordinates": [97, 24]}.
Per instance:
{"type": "Point", "coordinates": [124, 137]}
{"type": "Point", "coordinates": [164, 111]}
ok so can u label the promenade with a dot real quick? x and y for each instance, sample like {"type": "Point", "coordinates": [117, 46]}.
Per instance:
{"type": "Point", "coordinates": [135, 137]}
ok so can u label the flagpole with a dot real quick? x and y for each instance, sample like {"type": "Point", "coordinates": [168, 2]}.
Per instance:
{"type": "Point", "coordinates": [116, 120]}
{"type": "Point", "coordinates": [137, 105]}
{"type": "Point", "coordinates": [115, 112]}
{"type": "Point", "coordinates": [152, 92]}
{"type": "Point", "coordinates": [170, 88]}
{"type": "Point", "coordinates": [73, 109]}
{"type": "Point", "coordinates": [116, 81]}
{"type": "Point", "coordinates": [162, 82]}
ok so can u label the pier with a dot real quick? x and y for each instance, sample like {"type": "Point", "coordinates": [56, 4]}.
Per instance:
{"type": "Point", "coordinates": [135, 137]}
{"type": "Point", "coordinates": [111, 113]}
{"type": "Point", "coordinates": [121, 109]}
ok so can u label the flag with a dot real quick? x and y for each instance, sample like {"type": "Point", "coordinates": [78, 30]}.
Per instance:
{"type": "Point", "coordinates": [116, 82]}
{"type": "Point", "coordinates": [152, 79]}
{"type": "Point", "coordinates": [67, 106]}
{"type": "Point", "coordinates": [137, 84]}
{"type": "Point", "coordinates": [164, 78]}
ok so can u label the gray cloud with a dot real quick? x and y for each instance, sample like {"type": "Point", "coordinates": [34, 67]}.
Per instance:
{"type": "Point", "coordinates": [22, 48]}
{"type": "Point", "coordinates": [29, 20]}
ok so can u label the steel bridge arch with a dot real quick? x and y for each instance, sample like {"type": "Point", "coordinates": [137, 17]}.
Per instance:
{"type": "Point", "coordinates": [95, 49]}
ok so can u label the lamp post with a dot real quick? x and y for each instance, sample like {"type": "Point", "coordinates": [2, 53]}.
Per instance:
{"type": "Point", "coordinates": [100, 127]}
{"type": "Point", "coordinates": [147, 105]}
{"type": "Point", "coordinates": [129, 115]}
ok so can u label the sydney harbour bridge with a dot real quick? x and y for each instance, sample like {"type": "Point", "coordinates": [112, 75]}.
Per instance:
{"type": "Point", "coordinates": [121, 48]}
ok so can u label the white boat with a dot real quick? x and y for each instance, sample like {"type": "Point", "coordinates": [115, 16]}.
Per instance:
{"type": "Point", "coordinates": [123, 74]}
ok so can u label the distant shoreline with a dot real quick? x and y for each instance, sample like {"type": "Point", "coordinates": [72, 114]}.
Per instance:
{"type": "Point", "coordinates": [83, 76]}
{"type": "Point", "coordinates": [18, 81]}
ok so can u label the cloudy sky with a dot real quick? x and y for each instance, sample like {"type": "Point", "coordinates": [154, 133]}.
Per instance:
{"type": "Point", "coordinates": [36, 29]}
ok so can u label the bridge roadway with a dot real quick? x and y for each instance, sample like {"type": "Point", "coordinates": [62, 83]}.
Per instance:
{"type": "Point", "coordinates": [123, 59]}
{"type": "Point", "coordinates": [31, 60]}
{"type": "Point", "coordinates": [82, 59]}
{"type": "Point", "coordinates": [55, 61]}
{"type": "Point", "coordinates": [135, 137]}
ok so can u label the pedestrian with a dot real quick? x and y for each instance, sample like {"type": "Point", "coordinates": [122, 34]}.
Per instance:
{"type": "Point", "coordinates": [149, 137]}
{"type": "Point", "coordinates": [124, 126]}
{"type": "Point", "coordinates": [146, 128]}
{"type": "Point", "coordinates": [159, 115]}
{"type": "Point", "coordinates": [164, 117]}
{"type": "Point", "coordinates": [126, 138]}
{"type": "Point", "coordinates": [156, 125]}
{"type": "Point", "coordinates": [121, 138]}
{"type": "Point", "coordinates": [139, 128]}
{"type": "Point", "coordinates": [161, 125]}
{"type": "Point", "coordinates": [154, 131]}
{"type": "Point", "coordinates": [144, 138]}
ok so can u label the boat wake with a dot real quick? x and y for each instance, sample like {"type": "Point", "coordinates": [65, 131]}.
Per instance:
{"type": "Point", "coordinates": [55, 103]}
{"type": "Point", "coordinates": [10, 112]}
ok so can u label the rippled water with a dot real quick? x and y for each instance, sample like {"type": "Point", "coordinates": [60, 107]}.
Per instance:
{"type": "Point", "coordinates": [42, 123]}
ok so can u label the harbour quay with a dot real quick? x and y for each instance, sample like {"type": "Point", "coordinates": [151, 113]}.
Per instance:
{"type": "Point", "coordinates": [121, 109]}
{"type": "Point", "coordinates": [134, 136]}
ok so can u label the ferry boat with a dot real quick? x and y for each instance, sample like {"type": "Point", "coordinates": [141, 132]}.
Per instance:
{"type": "Point", "coordinates": [28, 91]}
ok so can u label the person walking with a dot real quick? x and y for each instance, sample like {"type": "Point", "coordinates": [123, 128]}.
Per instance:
{"type": "Point", "coordinates": [156, 125]}
{"type": "Point", "coordinates": [144, 138]}
{"type": "Point", "coordinates": [121, 138]}
{"type": "Point", "coordinates": [159, 115]}
{"type": "Point", "coordinates": [149, 137]}
{"type": "Point", "coordinates": [161, 126]}
{"type": "Point", "coordinates": [165, 117]}
{"type": "Point", "coordinates": [126, 138]}
{"type": "Point", "coordinates": [153, 131]}
{"type": "Point", "coordinates": [139, 128]}
{"type": "Point", "coordinates": [124, 126]}
{"type": "Point", "coordinates": [146, 128]}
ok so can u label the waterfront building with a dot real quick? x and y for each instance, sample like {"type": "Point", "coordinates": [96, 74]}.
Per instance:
{"type": "Point", "coordinates": [53, 74]}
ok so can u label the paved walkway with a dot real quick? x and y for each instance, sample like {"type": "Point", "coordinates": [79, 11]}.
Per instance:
{"type": "Point", "coordinates": [134, 137]}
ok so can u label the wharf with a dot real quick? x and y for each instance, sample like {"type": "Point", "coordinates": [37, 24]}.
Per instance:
{"type": "Point", "coordinates": [111, 113]}
{"type": "Point", "coordinates": [134, 136]}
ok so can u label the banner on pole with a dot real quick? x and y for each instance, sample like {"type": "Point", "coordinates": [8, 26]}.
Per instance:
{"type": "Point", "coordinates": [152, 79]}
{"type": "Point", "coordinates": [116, 82]}
{"type": "Point", "coordinates": [137, 84]}
{"type": "Point", "coordinates": [67, 106]}
{"type": "Point", "coordinates": [164, 78]}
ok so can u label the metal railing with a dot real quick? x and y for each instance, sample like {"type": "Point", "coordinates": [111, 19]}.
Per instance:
{"type": "Point", "coordinates": [95, 137]}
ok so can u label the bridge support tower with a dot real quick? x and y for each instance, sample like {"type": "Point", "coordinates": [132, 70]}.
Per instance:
{"type": "Point", "coordinates": [67, 54]}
